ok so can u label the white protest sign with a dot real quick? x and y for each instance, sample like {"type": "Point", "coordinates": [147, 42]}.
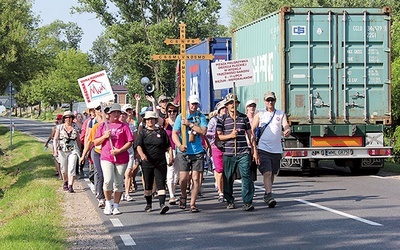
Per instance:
{"type": "Point", "coordinates": [225, 73]}
{"type": "Point", "coordinates": [96, 89]}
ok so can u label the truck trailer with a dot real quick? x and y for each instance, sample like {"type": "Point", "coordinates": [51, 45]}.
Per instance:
{"type": "Point", "coordinates": [330, 70]}
{"type": "Point", "coordinates": [198, 72]}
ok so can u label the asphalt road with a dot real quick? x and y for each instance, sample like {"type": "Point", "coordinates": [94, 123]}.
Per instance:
{"type": "Point", "coordinates": [333, 210]}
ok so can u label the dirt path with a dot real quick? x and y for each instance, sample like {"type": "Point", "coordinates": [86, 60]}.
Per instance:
{"type": "Point", "coordinates": [85, 228]}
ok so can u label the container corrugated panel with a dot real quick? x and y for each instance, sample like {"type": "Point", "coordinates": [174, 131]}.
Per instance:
{"type": "Point", "coordinates": [335, 66]}
{"type": "Point", "coordinates": [198, 73]}
{"type": "Point", "coordinates": [261, 41]}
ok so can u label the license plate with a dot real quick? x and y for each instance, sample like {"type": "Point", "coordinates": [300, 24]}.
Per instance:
{"type": "Point", "coordinates": [338, 152]}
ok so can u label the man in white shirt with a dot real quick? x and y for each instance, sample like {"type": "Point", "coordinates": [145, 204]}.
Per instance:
{"type": "Point", "coordinates": [269, 148]}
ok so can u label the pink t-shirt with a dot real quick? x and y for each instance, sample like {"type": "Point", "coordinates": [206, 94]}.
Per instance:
{"type": "Point", "coordinates": [120, 135]}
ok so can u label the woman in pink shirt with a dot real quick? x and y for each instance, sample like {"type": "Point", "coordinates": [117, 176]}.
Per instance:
{"type": "Point", "coordinates": [115, 139]}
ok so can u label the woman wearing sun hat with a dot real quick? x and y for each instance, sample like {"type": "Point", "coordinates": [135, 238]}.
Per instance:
{"type": "Point", "coordinates": [115, 139]}
{"type": "Point", "coordinates": [151, 145]}
{"type": "Point", "coordinates": [66, 149]}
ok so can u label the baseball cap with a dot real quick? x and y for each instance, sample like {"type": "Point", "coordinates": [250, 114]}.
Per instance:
{"type": "Point", "coordinates": [126, 106]}
{"type": "Point", "coordinates": [249, 102]}
{"type": "Point", "coordinates": [162, 98]}
{"type": "Point", "coordinates": [193, 99]}
{"type": "Point", "coordinates": [269, 94]}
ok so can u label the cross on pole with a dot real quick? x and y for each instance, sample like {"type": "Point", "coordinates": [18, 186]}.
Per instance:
{"type": "Point", "coordinates": [182, 57]}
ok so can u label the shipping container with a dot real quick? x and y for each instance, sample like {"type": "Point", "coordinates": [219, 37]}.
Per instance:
{"type": "Point", "coordinates": [330, 69]}
{"type": "Point", "coordinates": [198, 72]}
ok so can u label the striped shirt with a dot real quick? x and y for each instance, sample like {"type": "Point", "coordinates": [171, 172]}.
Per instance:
{"type": "Point", "coordinates": [226, 124]}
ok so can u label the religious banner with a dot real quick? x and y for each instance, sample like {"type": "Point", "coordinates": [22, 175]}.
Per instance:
{"type": "Point", "coordinates": [96, 89]}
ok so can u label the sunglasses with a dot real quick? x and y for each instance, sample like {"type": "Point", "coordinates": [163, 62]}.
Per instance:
{"type": "Point", "coordinates": [270, 100]}
{"type": "Point", "coordinates": [66, 117]}
{"type": "Point", "coordinates": [172, 111]}
{"type": "Point", "coordinates": [252, 105]}
{"type": "Point", "coordinates": [98, 108]}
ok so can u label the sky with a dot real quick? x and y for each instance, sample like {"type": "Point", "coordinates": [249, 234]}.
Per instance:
{"type": "Point", "coordinates": [51, 10]}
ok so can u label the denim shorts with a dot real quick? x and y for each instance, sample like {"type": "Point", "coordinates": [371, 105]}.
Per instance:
{"type": "Point", "coordinates": [190, 162]}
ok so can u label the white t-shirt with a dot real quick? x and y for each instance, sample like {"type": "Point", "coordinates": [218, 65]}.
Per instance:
{"type": "Point", "coordinates": [270, 140]}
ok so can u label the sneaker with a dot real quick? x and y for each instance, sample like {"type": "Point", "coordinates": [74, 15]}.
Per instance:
{"type": "Point", "coordinates": [128, 197]}
{"type": "Point", "coordinates": [164, 209]}
{"type": "Point", "coordinates": [172, 201]}
{"type": "Point", "coordinates": [107, 210]}
{"type": "Point", "coordinates": [221, 198]}
{"type": "Point", "coordinates": [71, 189]}
{"type": "Point", "coordinates": [116, 211]}
{"type": "Point", "coordinates": [269, 200]}
{"type": "Point", "coordinates": [92, 188]}
{"type": "Point", "coordinates": [231, 206]}
{"type": "Point", "coordinates": [101, 204]}
{"type": "Point", "coordinates": [248, 207]}
{"type": "Point", "coordinates": [65, 186]}
{"type": "Point", "coordinates": [271, 203]}
{"type": "Point", "coordinates": [147, 209]}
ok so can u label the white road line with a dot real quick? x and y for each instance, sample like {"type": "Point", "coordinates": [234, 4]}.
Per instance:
{"type": "Point", "coordinates": [379, 177]}
{"type": "Point", "coordinates": [127, 239]}
{"type": "Point", "coordinates": [339, 213]}
{"type": "Point", "coordinates": [116, 223]}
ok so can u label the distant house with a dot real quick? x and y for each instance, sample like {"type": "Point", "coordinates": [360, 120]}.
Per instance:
{"type": "Point", "coordinates": [120, 94]}
{"type": "Point", "coordinates": [5, 102]}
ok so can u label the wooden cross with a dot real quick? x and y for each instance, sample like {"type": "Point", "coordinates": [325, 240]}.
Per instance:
{"type": "Point", "coordinates": [182, 57]}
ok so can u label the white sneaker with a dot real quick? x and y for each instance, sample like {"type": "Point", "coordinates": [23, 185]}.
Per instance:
{"type": "Point", "coordinates": [102, 203]}
{"type": "Point", "coordinates": [116, 211]}
{"type": "Point", "coordinates": [107, 210]}
{"type": "Point", "coordinates": [128, 198]}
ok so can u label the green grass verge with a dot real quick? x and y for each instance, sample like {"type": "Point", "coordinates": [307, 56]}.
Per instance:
{"type": "Point", "coordinates": [30, 207]}
{"type": "Point", "coordinates": [392, 167]}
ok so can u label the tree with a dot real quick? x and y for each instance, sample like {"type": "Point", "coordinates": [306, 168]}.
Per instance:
{"type": "Point", "coordinates": [17, 58]}
{"type": "Point", "coordinates": [60, 85]}
{"type": "Point", "coordinates": [138, 29]}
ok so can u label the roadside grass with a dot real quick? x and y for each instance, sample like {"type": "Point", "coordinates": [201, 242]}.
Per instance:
{"type": "Point", "coordinates": [392, 167]}
{"type": "Point", "coordinates": [30, 207]}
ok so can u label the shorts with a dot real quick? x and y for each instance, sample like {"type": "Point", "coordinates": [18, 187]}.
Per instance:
{"type": "Point", "coordinates": [217, 159]}
{"type": "Point", "coordinates": [269, 162]}
{"type": "Point", "coordinates": [189, 163]}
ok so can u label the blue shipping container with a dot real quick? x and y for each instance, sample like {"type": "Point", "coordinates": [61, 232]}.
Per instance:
{"type": "Point", "coordinates": [198, 72]}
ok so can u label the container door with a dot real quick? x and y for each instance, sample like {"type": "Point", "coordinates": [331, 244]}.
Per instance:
{"type": "Point", "coordinates": [337, 66]}
{"type": "Point", "coordinates": [310, 61]}
{"type": "Point", "coordinates": [363, 69]}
